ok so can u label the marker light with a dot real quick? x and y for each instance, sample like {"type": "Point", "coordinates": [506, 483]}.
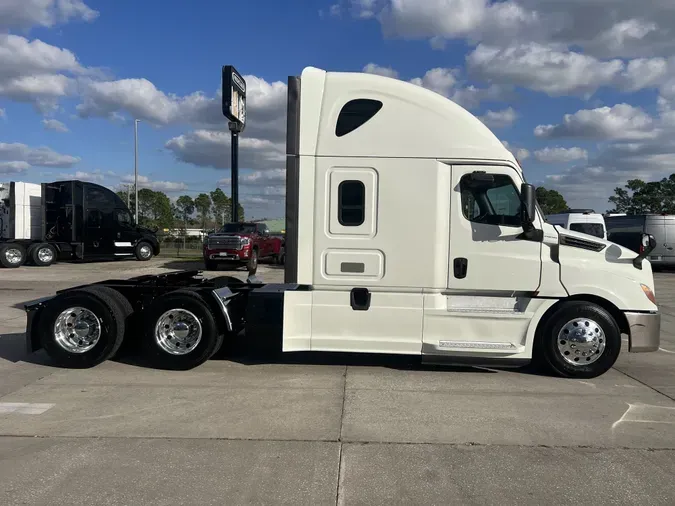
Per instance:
{"type": "Point", "coordinates": [648, 292]}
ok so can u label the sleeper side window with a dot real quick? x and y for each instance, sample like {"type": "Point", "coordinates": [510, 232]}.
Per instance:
{"type": "Point", "coordinates": [351, 203]}
{"type": "Point", "coordinates": [94, 218]}
{"type": "Point", "coordinates": [355, 113]}
{"type": "Point", "coordinates": [490, 200]}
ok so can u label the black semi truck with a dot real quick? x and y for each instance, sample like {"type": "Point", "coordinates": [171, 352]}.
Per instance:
{"type": "Point", "coordinates": [68, 220]}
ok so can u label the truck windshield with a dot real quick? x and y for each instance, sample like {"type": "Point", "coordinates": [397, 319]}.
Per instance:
{"type": "Point", "coordinates": [595, 229]}
{"type": "Point", "coordinates": [238, 228]}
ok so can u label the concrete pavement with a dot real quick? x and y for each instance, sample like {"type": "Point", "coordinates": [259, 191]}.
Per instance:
{"type": "Point", "coordinates": [327, 429]}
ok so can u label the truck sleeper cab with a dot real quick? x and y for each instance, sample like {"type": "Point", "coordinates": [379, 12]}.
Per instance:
{"type": "Point", "coordinates": [491, 283]}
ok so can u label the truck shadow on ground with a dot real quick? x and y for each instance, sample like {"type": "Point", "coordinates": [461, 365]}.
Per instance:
{"type": "Point", "coordinates": [13, 349]}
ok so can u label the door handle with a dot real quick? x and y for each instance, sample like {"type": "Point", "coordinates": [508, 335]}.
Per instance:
{"type": "Point", "coordinates": [460, 266]}
{"type": "Point", "coordinates": [359, 298]}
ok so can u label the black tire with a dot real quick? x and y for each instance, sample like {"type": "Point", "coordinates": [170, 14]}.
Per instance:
{"type": "Point", "coordinates": [211, 339]}
{"type": "Point", "coordinates": [252, 264]}
{"type": "Point", "coordinates": [106, 307]}
{"type": "Point", "coordinates": [143, 251]}
{"type": "Point", "coordinates": [547, 351]}
{"type": "Point", "coordinates": [36, 250]}
{"type": "Point", "coordinates": [29, 253]}
{"type": "Point", "coordinates": [125, 307]}
{"type": "Point", "coordinates": [10, 252]}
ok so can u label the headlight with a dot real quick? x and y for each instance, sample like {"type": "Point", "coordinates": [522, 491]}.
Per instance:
{"type": "Point", "coordinates": [648, 292]}
{"type": "Point", "coordinates": [245, 240]}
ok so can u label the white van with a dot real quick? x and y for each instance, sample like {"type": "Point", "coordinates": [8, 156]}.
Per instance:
{"type": "Point", "coordinates": [585, 221]}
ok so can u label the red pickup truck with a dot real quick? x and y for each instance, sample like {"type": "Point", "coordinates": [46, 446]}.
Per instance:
{"type": "Point", "coordinates": [241, 244]}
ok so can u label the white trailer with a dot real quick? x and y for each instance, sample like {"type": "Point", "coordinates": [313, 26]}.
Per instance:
{"type": "Point", "coordinates": [376, 165]}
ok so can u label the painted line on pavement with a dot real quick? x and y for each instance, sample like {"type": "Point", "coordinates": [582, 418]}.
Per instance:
{"type": "Point", "coordinates": [24, 408]}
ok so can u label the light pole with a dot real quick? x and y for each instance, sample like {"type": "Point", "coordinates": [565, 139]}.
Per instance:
{"type": "Point", "coordinates": [136, 166]}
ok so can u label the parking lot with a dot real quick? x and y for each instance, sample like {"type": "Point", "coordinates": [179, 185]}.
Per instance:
{"type": "Point", "coordinates": [316, 429]}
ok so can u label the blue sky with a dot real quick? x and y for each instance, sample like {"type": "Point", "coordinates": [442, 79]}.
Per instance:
{"type": "Point", "coordinates": [584, 100]}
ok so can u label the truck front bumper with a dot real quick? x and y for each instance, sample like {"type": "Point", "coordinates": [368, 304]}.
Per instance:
{"type": "Point", "coordinates": [645, 331]}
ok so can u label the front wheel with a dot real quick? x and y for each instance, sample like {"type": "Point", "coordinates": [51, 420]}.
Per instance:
{"type": "Point", "coordinates": [143, 251]}
{"type": "Point", "coordinates": [252, 264]}
{"type": "Point", "coordinates": [579, 340]}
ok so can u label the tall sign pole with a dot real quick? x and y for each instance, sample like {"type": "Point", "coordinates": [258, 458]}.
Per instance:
{"type": "Point", "coordinates": [234, 108]}
{"type": "Point", "coordinates": [136, 167]}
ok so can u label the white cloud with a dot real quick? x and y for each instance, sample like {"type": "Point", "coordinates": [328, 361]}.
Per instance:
{"type": "Point", "coordinates": [92, 177]}
{"type": "Point", "coordinates": [13, 167]}
{"type": "Point", "coordinates": [620, 122]}
{"type": "Point", "coordinates": [264, 178]}
{"type": "Point", "coordinates": [520, 153]}
{"type": "Point", "coordinates": [446, 82]}
{"type": "Point", "coordinates": [41, 156]}
{"type": "Point", "coordinates": [209, 148]}
{"type": "Point", "coordinates": [373, 68]}
{"type": "Point", "coordinates": [601, 28]}
{"type": "Point", "coordinates": [500, 119]}
{"type": "Point", "coordinates": [163, 186]}
{"type": "Point", "coordinates": [3, 113]}
{"type": "Point", "coordinates": [24, 14]}
{"type": "Point", "coordinates": [36, 72]}
{"type": "Point", "coordinates": [547, 69]}
{"type": "Point", "coordinates": [644, 73]}
{"type": "Point", "coordinates": [55, 125]}
{"type": "Point", "coordinates": [560, 155]}
{"type": "Point", "coordinates": [440, 80]}
{"type": "Point", "coordinates": [140, 98]}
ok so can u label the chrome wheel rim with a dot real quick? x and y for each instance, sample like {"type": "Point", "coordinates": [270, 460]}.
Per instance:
{"type": "Point", "coordinates": [13, 255]}
{"type": "Point", "coordinates": [77, 330]}
{"type": "Point", "coordinates": [581, 341]}
{"type": "Point", "coordinates": [178, 331]}
{"type": "Point", "coordinates": [45, 255]}
{"type": "Point", "coordinates": [145, 251]}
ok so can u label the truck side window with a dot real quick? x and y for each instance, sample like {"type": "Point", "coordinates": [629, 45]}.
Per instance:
{"type": "Point", "coordinates": [355, 113]}
{"type": "Point", "coordinates": [351, 203]}
{"type": "Point", "coordinates": [495, 202]}
{"type": "Point", "coordinates": [123, 218]}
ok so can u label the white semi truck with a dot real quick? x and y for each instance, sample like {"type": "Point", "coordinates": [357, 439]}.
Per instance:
{"type": "Point", "coordinates": [374, 165]}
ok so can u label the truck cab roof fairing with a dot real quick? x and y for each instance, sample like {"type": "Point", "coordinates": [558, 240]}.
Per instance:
{"type": "Point", "coordinates": [413, 122]}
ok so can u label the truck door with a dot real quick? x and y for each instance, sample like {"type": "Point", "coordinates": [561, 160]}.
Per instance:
{"type": "Point", "coordinates": [487, 252]}
{"type": "Point", "coordinates": [98, 242]}
{"type": "Point", "coordinates": [125, 234]}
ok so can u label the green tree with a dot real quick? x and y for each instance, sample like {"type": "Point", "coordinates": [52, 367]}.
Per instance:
{"type": "Point", "coordinates": [203, 207]}
{"type": "Point", "coordinates": [185, 206]}
{"type": "Point", "coordinates": [154, 209]}
{"type": "Point", "coordinates": [640, 197]}
{"type": "Point", "coordinates": [551, 201]}
{"type": "Point", "coordinates": [221, 206]}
